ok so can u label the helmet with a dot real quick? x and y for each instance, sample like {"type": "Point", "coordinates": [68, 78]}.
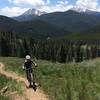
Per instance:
{"type": "Point", "coordinates": [28, 57]}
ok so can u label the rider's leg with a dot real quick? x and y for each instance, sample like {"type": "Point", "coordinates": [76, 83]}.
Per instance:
{"type": "Point", "coordinates": [33, 77]}
{"type": "Point", "coordinates": [28, 77]}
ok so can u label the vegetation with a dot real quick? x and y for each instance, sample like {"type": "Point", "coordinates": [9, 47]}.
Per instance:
{"type": "Point", "coordinates": [70, 81]}
{"type": "Point", "coordinates": [66, 51]}
{"type": "Point", "coordinates": [85, 36]}
{"type": "Point", "coordinates": [12, 87]}
{"type": "Point", "coordinates": [12, 84]}
{"type": "Point", "coordinates": [13, 64]}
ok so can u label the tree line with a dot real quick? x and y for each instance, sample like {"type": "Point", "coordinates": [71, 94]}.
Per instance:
{"type": "Point", "coordinates": [56, 50]}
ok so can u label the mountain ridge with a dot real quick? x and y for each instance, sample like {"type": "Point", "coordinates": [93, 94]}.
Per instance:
{"type": "Point", "coordinates": [29, 15]}
{"type": "Point", "coordinates": [35, 28]}
{"type": "Point", "coordinates": [71, 20]}
{"type": "Point", "coordinates": [51, 24]}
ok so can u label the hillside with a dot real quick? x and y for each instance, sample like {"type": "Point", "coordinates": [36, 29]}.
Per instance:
{"type": "Point", "coordinates": [40, 29]}
{"type": "Point", "coordinates": [71, 20]}
{"type": "Point", "coordinates": [86, 35]}
{"type": "Point", "coordinates": [4, 19]}
{"type": "Point", "coordinates": [25, 17]}
{"type": "Point", "coordinates": [60, 81]}
{"type": "Point", "coordinates": [93, 30]}
{"type": "Point", "coordinates": [35, 29]}
{"type": "Point", "coordinates": [6, 23]}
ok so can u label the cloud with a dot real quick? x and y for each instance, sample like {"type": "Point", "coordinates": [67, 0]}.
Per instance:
{"type": "Point", "coordinates": [48, 2]}
{"type": "Point", "coordinates": [14, 11]}
{"type": "Point", "coordinates": [88, 4]}
{"type": "Point", "coordinates": [44, 5]}
{"type": "Point", "coordinates": [35, 3]}
{"type": "Point", "coordinates": [47, 6]}
{"type": "Point", "coordinates": [62, 5]}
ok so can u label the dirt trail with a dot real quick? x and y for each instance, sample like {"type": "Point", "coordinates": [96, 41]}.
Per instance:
{"type": "Point", "coordinates": [29, 93]}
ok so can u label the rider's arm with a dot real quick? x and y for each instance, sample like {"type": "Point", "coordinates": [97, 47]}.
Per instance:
{"type": "Point", "coordinates": [35, 64]}
{"type": "Point", "coordinates": [24, 66]}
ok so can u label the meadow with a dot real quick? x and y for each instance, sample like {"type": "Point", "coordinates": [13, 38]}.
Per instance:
{"type": "Point", "coordinates": [70, 81]}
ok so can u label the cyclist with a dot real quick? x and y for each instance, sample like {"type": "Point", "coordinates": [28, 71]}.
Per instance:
{"type": "Point", "coordinates": [29, 65]}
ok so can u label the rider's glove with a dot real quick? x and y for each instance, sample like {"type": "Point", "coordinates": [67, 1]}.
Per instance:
{"type": "Point", "coordinates": [35, 64]}
{"type": "Point", "coordinates": [23, 67]}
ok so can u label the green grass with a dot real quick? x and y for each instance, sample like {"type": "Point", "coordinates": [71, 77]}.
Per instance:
{"type": "Point", "coordinates": [13, 65]}
{"type": "Point", "coordinates": [72, 81]}
{"type": "Point", "coordinates": [2, 97]}
{"type": "Point", "coordinates": [80, 36]}
{"type": "Point", "coordinates": [12, 86]}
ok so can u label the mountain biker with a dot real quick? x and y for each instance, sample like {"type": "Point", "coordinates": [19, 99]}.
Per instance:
{"type": "Point", "coordinates": [28, 66]}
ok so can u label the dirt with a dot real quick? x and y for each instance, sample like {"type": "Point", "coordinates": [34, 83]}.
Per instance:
{"type": "Point", "coordinates": [29, 93]}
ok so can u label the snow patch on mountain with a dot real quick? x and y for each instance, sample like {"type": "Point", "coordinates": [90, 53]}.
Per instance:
{"type": "Point", "coordinates": [82, 9]}
{"type": "Point", "coordinates": [34, 12]}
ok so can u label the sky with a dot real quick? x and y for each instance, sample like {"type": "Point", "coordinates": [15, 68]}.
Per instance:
{"type": "Point", "coordinates": [17, 7]}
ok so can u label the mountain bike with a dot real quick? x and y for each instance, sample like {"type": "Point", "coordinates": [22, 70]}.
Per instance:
{"type": "Point", "coordinates": [31, 78]}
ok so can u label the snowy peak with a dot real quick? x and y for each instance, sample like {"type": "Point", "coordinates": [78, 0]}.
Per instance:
{"type": "Point", "coordinates": [34, 12]}
{"type": "Point", "coordinates": [82, 9]}
{"type": "Point", "coordinates": [85, 10]}
{"type": "Point", "coordinates": [29, 15]}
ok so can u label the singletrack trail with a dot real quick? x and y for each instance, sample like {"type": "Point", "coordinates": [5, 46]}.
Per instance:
{"type": "Point", "coordinates": [28, 92]}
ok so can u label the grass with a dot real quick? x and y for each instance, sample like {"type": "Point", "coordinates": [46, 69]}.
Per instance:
{"type": "Point", "coordinates": [72, 81]}
{"type": "Point", "coordinates": [2, 97]}
{"type": "Point", "coordinates": [13, 65]}
{"type": "Point", "coordinates": [79, 36]}
{"type": "Point", "coordinates": [12, 86]}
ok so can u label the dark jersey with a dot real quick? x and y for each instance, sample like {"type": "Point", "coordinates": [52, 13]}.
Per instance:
{"type": "Point", "coordinates": [28, 64]}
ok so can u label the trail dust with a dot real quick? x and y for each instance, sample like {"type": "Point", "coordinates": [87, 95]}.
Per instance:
{"type": "Point", "coordinates": [28, 92]}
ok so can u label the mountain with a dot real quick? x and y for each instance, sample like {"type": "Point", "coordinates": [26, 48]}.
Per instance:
{"type": "Point", "coordinates": [55, 24]}
{"type": "Point", "coordinates": [41, 29]}
{"type": "Point", "coordinates": [93, 30]}
{"type": "Point", "coordinates": [85, 10]}
{"type": "Point", "coordinates": [29, 15]}
{"type": "Point", "coordinates": [74, 20]}
{"type": "Point", "coordinates": [6, 20]}
{"type": "Point", "coordinates": [6, 23]}
{"type": "Point", "coordinates": [35, 28]}
{"type": "Point", "coordinates": [92, 13]}
{"type": "Point", "coordinates": [33, 12]}
{"type": "Point", "coordinates": [71, 20]}
{"type": "Point", "coordinates": [81, 9]}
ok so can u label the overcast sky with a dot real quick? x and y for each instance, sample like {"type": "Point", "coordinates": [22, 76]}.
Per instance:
{"type": "Point", "coordinates": [17, 7]}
